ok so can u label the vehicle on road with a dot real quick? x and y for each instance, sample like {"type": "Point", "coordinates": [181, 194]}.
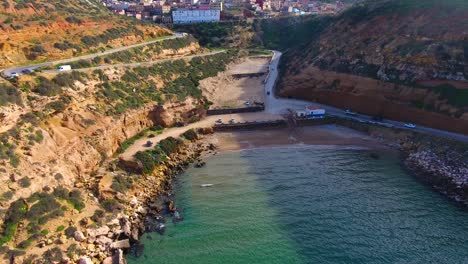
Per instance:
{"type": "Point", "coordinates": [247, 103]}
{"type": "Point", "coordinates": [64, 68]}
{"type": "Point", "coordinates": [148, 144]}
{"type": "Point", "coordinates": [27, 71]}
{"type": "Point", "coordinates": [349, 112]}
{"type": "Point", "coordinates": [409, 125]}
{"type": "Point", "coordinates": [219, 121]}
{"type": "Point", "coordinates": [377, 118]}
{"type": "Point", "coordinates": [14, 74]}
{"type": "Point", "coordinates": [232, 121]}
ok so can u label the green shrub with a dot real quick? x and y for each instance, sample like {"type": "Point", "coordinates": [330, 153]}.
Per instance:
{"type": "Point", "coordinates": [52, 255]}
{"type": "Point", "coordinates": [9, 95]}
{"type": "Point", "coordinates": [60, 228]}
{"type": "Point", "coordinates": [149, 159]}
{"type": "Point", "coordinates": [46, 87]}
{"type": "Point", "coordinates": [73, 19]}
{"type": "Point", "coordinates": [76, 200]}
{"type": "Point", "coordinates": [7, 195]}
{"type": "Point", "coordinates": [98, 216]}
{"type": "Point", "coordinates": [169, 145]}
{"type": "Point", "coordinates": [110, 205]}
{"type": "Point", "coordinates": [70, 231]}
{"type": "Point", "coordinates": [121, 183]}
{"type": "Point", "coordinates": [60, 105]}
{"type": "Point", "coordinates": [24, 182]}
{"type": "Point", "coordinates": [59, 191]}
{"type": "Point", "coordinates": [190, 135]}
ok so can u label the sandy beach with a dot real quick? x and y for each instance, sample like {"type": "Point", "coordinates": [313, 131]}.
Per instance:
{"type": "Point", "coordinates": [313, 135]}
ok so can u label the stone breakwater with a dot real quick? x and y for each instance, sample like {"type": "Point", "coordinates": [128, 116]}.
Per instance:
{"type": "Point", "coordinates": [447, 172]}
{"type": "Point", "coordinates": [145, 211]}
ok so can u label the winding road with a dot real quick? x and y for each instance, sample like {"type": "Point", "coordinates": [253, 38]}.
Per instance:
{"type": "Point", "coordinates": [275, 105]}
{"type": "Point", "coordinates": [20, 69]}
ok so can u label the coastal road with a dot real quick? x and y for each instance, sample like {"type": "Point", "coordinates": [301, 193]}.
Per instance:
{"type": "Point", "coordinates": [275, 105]}
{"type": "Point", "coordinates": [139, 64]}
{"type": "Point", "coordinates": [20, 69]}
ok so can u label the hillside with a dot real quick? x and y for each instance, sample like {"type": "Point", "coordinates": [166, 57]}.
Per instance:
{"type": "Point", "coordinates": [381, 57]}
{"type": "Point", "coordinates": [39, 30]}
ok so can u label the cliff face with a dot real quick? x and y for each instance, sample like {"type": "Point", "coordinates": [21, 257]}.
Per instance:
{"type": "Point", "coordinates": [43, 30]}
{"type": "Point", "coordinates": [384, 56]}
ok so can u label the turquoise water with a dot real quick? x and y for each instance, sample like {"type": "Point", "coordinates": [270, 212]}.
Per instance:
{"type": "Point", "coordinates": [309, 204]}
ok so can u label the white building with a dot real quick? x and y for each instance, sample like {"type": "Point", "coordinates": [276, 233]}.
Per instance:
{"type": "Point", "coordinates": [194, 16]}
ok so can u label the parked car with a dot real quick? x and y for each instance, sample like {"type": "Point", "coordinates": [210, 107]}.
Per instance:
{"type": "Point", "coordinates": [232, 121]}
{"type": "Point", "coordinates": [14, 74]}
{"type": "Point", "coordinates": [219, 121]}
{"type": "Point", "coordinates": [64, 68]}
{"type": "Point", "coordinates": [349, 112]}
{"type": "Point", "coordinates": [268, 93]}
{"type": "Point", "coordinates": [410, 125]}
{"type": "Point", "coordinates": [247, 103]}
{"type": "Point", "coordinates": [148, 144]}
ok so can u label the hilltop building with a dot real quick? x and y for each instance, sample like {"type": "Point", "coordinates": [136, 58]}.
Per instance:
{"type": "Point", "coordinates": [185, 16]}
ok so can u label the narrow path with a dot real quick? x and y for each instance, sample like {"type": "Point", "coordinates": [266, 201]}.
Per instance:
{"type": "Point", "coordinates": [138, 64]}
{"type": "Point", "coordinates": [19, 69]}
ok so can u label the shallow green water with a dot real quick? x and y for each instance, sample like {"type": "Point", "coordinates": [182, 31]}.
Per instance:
{"type": "Point", "coordinates": [308, 205]}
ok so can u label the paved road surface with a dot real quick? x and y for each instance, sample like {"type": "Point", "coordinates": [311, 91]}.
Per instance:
{"type": "Point", "coordinates": [276, 105]}
{"type": "Point", "coordinates": [138, 64]}
{"type": "Point", "coordinates": [8, 72]}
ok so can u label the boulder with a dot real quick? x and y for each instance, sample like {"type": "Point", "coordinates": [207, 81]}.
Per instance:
{"type": "Point", "coordinates": [103, 230]}
{"type": "Point", "coordinates": [121, 244]}
{"type": "Point", "coordinates": [118, 257]}
{"type": "Point", "coordinates": [79, 236]}
{"type": "Point", "coordinates": [85, 260]}
{"type": "Point", "coordinates": [103, 240]}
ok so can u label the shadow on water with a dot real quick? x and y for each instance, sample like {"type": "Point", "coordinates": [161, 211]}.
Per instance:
{"type": "Point", "coordinates": [346, 206]}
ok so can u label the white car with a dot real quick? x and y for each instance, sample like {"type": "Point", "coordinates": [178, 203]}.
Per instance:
{"type": "Point", "coordinates": [232, 121]}
{"type": "Point", "coordinates": [410, 125]}
{"type": "Point", "coordinates": [14, 74]}
{"type": "Point", "coordinates": [219, 121]}
{"type": "Point", "coordinates": [247, 103]}
{"type": "Point", "coordinates": [349, 112]}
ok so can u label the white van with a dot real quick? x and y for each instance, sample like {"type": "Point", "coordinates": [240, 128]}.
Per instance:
{"type": "Point", "coordinates": [64, 68]}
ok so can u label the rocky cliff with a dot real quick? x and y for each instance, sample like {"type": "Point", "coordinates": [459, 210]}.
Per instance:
{"type": "Point", "coordinates": [32, 31]}
{"type": "Point", "coordinates": [383, 56]}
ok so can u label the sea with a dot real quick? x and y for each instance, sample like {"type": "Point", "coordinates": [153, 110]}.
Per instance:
{"type": "Point", "coordinates": [308, 204]}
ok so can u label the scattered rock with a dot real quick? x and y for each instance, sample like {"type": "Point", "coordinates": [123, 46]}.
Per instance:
{"type": "Point", "coordinates": [98, 231]}
{"type": "Point", "coordinates": [121, 244]}
{"type": "Point", "coordinates": [85, 260]}
{"type": "Point", "coordinates": [79, 236]}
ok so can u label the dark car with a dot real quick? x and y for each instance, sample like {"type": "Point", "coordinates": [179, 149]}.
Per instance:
{"type": "Point", "coordinates": [27, 71]}
{"type": "Point", "coordinates": [268, 93]}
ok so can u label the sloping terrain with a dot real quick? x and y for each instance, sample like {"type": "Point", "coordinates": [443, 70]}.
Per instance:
{"type": "Point", "coordinates": [390, 55]}
{"type": "Point", "coordinates": [42, 30]}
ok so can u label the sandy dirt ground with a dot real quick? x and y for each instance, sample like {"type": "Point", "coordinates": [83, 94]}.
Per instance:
{"type": "Point", "coordinates": [313, 135]}
{"type": "Point", "coordinates": [228, 92]}
{"type": "Point", "coordinates": [209, 121]}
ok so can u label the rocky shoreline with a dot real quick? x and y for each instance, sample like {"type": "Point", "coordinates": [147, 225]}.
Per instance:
{"type": "Point", "coordinates": [148, 211]}
{"type": "Point", "coordinates": [444, 168]}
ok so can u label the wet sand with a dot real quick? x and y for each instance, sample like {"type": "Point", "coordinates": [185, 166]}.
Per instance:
{"type": "Point", "coordinates": [313, 135]}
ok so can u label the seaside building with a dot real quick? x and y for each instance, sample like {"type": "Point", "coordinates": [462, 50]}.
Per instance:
{"type": "Point", "coordinates": [194, 16]}
{"type": "Point", "coordinates": [311, 112]}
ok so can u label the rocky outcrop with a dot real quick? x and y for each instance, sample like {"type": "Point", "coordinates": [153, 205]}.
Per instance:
{"type": "Point", "coordinates": [445, 169]}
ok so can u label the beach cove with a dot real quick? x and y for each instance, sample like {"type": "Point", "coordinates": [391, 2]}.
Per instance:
{"type": "Point", "coordinates": [323, 194]}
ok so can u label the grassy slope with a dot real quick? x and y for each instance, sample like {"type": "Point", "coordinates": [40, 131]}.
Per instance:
{"type": "Point", "coordinates": [42, 30]}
